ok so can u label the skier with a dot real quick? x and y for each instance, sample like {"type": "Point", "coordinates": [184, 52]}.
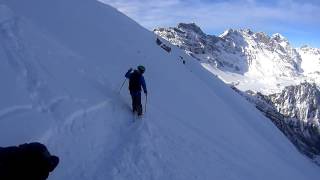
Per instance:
{"type": "Point", "coordinates": [27, 161]}
{"type": "Point", "coordinates": [136, 80]}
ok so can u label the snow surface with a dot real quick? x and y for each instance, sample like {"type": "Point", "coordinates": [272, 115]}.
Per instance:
{"type": "Point", "coordinates": [62, 64]}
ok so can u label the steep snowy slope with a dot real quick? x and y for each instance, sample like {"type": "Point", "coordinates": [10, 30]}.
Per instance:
{"type": "Point", "coordinates": [62, 63]}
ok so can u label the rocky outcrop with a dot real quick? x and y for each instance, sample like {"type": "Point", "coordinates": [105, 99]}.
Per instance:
{"type": "Point", "coordinates": [295, 111]}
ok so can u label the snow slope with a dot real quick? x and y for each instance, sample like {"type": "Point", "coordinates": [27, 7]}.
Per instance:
{"type": "Point", "coordinates": [62, 64]}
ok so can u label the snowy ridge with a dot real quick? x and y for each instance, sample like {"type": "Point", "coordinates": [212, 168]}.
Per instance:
{"type": "Point", "coordinates": [67, 68]}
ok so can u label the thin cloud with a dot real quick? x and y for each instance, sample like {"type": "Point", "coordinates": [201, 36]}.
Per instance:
{"type": "Point", "coordinates": [217, 15]}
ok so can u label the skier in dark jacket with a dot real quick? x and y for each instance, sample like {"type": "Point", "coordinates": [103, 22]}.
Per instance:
{"type": "Point", "coordinates": [136, 80]}
{"type": "Point", "coordinates": [26, 162]}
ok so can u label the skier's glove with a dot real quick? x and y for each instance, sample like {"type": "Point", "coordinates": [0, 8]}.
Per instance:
{"type": "Point", "coordinates": [130, 70]}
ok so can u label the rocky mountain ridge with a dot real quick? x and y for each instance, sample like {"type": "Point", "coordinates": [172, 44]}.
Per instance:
{"type": "Point", "coordinates": [238, 51]}
{"type": "Point", "coordinates": [295, 111]}
{"type": "Point", "coordinates": [254, 56]}
{"type": "Point", "coordinates": [300, 102]}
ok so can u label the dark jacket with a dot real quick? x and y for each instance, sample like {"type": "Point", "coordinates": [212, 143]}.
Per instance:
{"type": "Point", "coordinates": [136, 81]}
{"type": "Point", "coordinates": [26, 162]}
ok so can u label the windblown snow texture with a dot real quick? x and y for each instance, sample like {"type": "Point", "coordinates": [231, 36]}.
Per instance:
{"type": "Point", "coordinates": [62, 64]}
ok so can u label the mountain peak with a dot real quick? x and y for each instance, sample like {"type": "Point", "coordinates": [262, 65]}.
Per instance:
{"type": "Point", "coordinates": [278, 37]}
{"type": "Point", "coordinates": [191, 27]}
{"type": "Point", "coordinates": [262, 34]}
{"type": "Point", "coordinates": [247, 31]}
{"type": "Point", "coordinates": [229, 32]}
{"type": "Point", "coordinates": [241, 32]}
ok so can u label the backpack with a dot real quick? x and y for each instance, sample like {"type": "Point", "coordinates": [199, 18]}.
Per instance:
{"type": "Point", "coordinates": [134, 82]}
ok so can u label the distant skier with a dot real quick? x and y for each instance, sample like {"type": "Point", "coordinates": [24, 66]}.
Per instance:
{"type": "Point", "coordinates": [136, 80]}
{"type": "Point", "coordinates": [26, 162]}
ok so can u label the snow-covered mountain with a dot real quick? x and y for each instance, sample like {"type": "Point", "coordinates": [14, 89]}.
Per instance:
{"type": "Point", "coordinates": [257, 62]}
{"type": "Point", "coordinates": [62, 64]}
{"type": "Point", "coordinates": [249, 60]}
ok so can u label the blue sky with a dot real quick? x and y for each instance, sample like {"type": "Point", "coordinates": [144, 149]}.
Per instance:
{"type": "Point", "coordinates": [297, 20]}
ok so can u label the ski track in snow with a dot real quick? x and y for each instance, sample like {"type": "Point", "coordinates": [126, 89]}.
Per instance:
{"type": "Point", "coordinates": [83, 112]}
{"type": "Point", "coordinates": [117, 159]}
{"type": "Point", "coordinates": [14, 110]}
{"type": "Point", "coordinates": [22, 61]}
{"type": "Point", "coordinates": [54, 103]}
{"type": "Point", "coordinates": [18, 109]}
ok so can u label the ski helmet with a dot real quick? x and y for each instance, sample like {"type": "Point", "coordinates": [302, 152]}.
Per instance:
{"type": "Point", "coordinates": [141, 68]}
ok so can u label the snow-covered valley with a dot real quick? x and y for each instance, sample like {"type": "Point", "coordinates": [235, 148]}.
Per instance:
{"type": "Point", "coordinates": [62, 65]}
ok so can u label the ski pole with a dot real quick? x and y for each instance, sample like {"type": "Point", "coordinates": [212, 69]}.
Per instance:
{"type": "Point", "coordinates": [145, 105]}
{"type": "Point", "coordinates": [122, 85]}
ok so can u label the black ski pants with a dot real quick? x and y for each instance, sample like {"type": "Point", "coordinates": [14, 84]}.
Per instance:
{"type": "Point", "coordinates": [136, 102]}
